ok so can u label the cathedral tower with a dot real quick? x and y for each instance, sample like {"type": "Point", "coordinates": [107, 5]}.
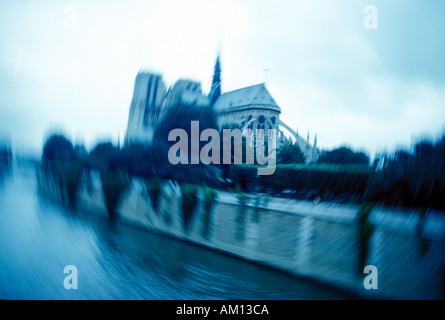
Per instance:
{"type": "Point", "coordinates": [146, 106]}
{"type": "Point", "coordinates": [215, 91]}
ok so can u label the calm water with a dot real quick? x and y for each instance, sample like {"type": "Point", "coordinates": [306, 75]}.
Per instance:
{"type": "Point", "coordinates": [39, 238]}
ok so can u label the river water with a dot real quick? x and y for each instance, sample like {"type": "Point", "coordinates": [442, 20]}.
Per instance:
{"type": "Point", "coordinates": [39, 238]}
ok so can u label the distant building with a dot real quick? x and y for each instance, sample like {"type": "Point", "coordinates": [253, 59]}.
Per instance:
{"type": "Point", "coordinates": [187, 92]}
{"type": "Point", "coordinates": [247, 108]}
{"type": "Point", "coordinates": [146, 107]}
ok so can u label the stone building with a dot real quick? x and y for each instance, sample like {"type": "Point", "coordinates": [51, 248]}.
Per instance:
{"type": "Point", "coordinates": [247, 108]}
{"type": "Point", "coordinates": [146, 107]}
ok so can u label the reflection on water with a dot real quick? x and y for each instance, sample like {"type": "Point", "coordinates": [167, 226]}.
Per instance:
{"type": "Point", "coordinates": [39, 238]}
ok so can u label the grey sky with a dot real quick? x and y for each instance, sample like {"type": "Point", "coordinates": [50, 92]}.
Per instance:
{"type": "Point", "coordinates": [370, 89]}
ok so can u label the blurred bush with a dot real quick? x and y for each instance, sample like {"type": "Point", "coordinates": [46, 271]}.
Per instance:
{"type": "Point", "coordinates": [326, 181]}
{"type": "Point", "coordinates": [61, 162]}
{"type": "Point", "coordinates": [113, 184]}
{"type": "Point", "coordinates": [290, 153]}
{"type": "Point", "coordinates": [154, 188]}
{"type": "Point", "coordinates": [416, 181]}
{"type": "Point", "coordinates": [188, 202]}
{"type": "Point", "coordinates": [180, 116]}
{"type": "Point", "coordinates": [343, 155]}
{"type": "Point", "coordinates": [209, 199]}
{"type": "Point", "coordinates": [5, 158]}
{"type": "Point", "coordinates": [409, 180]}
{"type": "Point", "coordinates": [58, 149]}
{"type": "Point", "coordinates": [365, 232]}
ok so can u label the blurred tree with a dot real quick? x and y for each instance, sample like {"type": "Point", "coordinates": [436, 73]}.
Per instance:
{"type": "Point", "coordinates": [343, 155]}
{"type": "Point", "coordinates": [137, 159]}
{"type": "Point", "coordinates": [290, 153]}
{"type": "Point", "coordinates": [180, 116]}
{"type": "Point", "coordinates": [416, 181]}
{"type": "Point", "coordinates": [61, 162]}
{"type": "Point", "coordinates": [225, 168]}
{"type": "Point", "coordinates": [425, 150]}
{"type": "Point", "coordinates": [105, 156]}
{"type": "Point", "coordinates": [58, 148]}
{"type": "Point", "coordinates": [109, 160]}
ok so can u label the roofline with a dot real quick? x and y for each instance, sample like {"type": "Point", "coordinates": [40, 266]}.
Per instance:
{"type": "Point", "coordinates": [267, 106]}
{"type": "Point", "coordinates": [243, 88]}
{"type": "Point", "coordinates": [246, 106]}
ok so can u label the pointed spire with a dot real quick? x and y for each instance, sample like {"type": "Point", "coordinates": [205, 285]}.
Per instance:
{"type": "Point", "coordinates": [215, 91]}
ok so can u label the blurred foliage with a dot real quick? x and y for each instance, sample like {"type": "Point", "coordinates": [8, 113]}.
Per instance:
{"type": "Point", "coordinates": [188, 202]}
{"type": "Point", "coordinates": [343, 155]}
{"type": "Point", "coordinates": [61, 162]}
{"type": "Point", "coordinates": [67, 177]}
{"type": "Point", "coordinates": [154, 187]}
{"type": "Point", "coordinates": [137, 159]}
{"type": "Point", "coordinates": [290, 153]}
{"type": "Point", "coordinates": [5, 158]}
{"type": "Point", "coordinates": [105, 157]}
{"type": "Point", "coordinates": [326, 181]}
{"type": "Point", "coordinates": [180, 116]}
{"type": "Point", "coordinates": [58, 149]}
{"type": "Point", "coordinates": [114, 182]}
{"type": "Point", "coordinates": [209, 199]}
{"type": "Point", "coordinates": [416, 181]}
{"type": "Point", "coordinates": [241, 214]}
{"type": "Point", "coordinates": [365, 232]}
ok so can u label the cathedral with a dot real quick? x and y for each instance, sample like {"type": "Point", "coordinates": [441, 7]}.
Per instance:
{"type": "Point", "coordinates": [248, 108]}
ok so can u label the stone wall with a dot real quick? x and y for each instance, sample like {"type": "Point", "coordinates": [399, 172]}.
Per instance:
{"type": "Point", "coordinates": [317, 241]}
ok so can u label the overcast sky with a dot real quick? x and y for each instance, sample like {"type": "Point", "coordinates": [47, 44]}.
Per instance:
{"type": "Point", "coordinates": [72, 64]}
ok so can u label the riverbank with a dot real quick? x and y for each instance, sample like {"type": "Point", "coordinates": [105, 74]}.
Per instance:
{"type": "Point", "coordinates": [316, 241]}
{"type": "Point", "coordinates": [117, 261]}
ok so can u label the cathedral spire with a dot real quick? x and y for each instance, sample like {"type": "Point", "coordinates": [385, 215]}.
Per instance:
{"type": "Point", "coordinates": [215, 91]}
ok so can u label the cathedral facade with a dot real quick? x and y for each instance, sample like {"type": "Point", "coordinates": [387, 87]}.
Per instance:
{"type": "Point", "coordinates": [247, 108]}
